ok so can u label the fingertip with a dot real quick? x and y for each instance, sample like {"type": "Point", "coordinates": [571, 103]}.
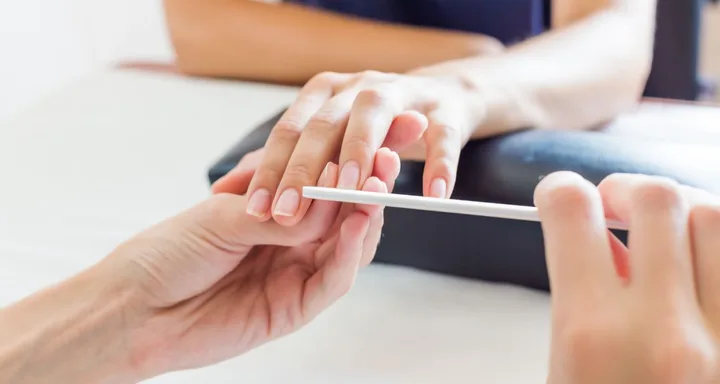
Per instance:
{"type": "Point", "coordinates": [557, 186]}
{"type": "Point", "coordinates": [396, 164]}
{"type": "Point", "coordinates": [235, 182]}
{"type": "Point", "coordinates": [386, 166]}
{"type": "Point", "coordinates": [290, 207]}
{"type": "Point", "coordinates": [218, 186]}
{"type": "Point", "coordinates": [373, 184]}
{"type": "Point", "coordinates": [438, 188]}
{"type": "Point", "coordinates": [407, 128]}
{"type": "Point", "coordinates": [329, 176]}
{"type": "Point", "coordinates": [612, 183]}
{"type": "Point", "coordinates": [439, 177]}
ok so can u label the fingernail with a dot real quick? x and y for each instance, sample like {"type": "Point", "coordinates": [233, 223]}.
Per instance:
{"type": "Point", "coordinates": [323, 181]}
{"type": "Point", "coordinates": [259, 203]}
{"type": "Point", "coordinates": [288, 203]}
{"type": "Point", "coordinates": [349, 176]}
{"type": "Point", "coordinates": [438, 188]}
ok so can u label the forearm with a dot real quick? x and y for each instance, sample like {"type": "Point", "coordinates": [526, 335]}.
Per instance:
{"type": "Point", "coordinates": [290, 44]}
{"type": "Point", "coordinates": [74, 332]}
{"type": "Point", "coordinates": [570, 78]}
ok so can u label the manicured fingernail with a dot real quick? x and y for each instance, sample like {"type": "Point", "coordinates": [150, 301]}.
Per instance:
{"type": "Point", "coordinates": [323, 180]}
{"type": "Point", "coordinates": [288, 203]}
{"type": "Point", "coordinates": [438, 188]}
{"type": "Point", "coordinates": [259, 203]}
{"type": "Point", "coordinates": [349, 176]}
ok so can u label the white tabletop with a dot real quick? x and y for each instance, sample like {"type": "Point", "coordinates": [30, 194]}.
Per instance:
{"type": "Point", "coordinates": [94, 163]}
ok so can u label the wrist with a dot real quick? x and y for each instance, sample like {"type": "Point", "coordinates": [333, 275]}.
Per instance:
{"type": "Point", "coordinates": [496, 103]}
{"type": "Point", "coordinates": [76, 331]}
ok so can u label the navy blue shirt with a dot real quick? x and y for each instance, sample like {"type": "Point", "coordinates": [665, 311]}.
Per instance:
{"type": "Point", "coordinates": [509, 21]}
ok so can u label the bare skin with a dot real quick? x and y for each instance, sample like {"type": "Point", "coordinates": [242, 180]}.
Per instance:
{"type": "Point", "coordinates": [591, 66]}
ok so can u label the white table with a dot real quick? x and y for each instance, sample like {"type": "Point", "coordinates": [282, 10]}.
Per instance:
{"type": "Point", "coordinates": [96, 162]}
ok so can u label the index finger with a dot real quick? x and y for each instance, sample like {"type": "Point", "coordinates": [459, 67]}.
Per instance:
{"type": "Point", "coordinates": [282, 142]}
{"type": "Point", "coordinates": [579, 256]}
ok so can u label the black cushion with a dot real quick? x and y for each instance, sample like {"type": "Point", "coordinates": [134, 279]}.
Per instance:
{"type": "Point", "coordinates": [506, 169]}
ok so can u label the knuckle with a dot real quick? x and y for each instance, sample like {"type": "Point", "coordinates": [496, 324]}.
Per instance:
{"type": "Point", "coordinates": [325, 78]}
{"type": "Point", "coordinates": [298, 173]}
{"type": "Point", "coordinates": [374, 97]}
{"type": "Point", "coordinates": [322, 121]}
{"type": "Point", "coordinates": [358, 145]}
{"type": "Point", "coordinates": [591, 345]}
{"type": "Point", "coordinates": [443, 165]}
{"type": "Point", "coordinates": [446, 135]}
{"type": "Point", "coordinates": [442, 148]}
{"type": "Point", "coordinates": [448, 130]}
{"type": "Point", "coordinates": [370, 74]}
{"type": "Point", "coordinates": [658, 193]}
{"type": "Point", "coordinates": [268, 176]}
{"type": "Point", "coordinates": [287, 131]}
{"type": "Point", "coordinates": [568, 196]}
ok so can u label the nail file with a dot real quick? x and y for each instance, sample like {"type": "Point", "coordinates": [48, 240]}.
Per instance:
{"type": "Point", "coordinates": [463, 207]}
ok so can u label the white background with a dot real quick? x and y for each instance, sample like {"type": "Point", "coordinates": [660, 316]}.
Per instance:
{"type": "Point", "coordinates": [48, 43]}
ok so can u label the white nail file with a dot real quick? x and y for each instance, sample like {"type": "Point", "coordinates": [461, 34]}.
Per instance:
{"type": "Point", "coordinates": [463, 207]}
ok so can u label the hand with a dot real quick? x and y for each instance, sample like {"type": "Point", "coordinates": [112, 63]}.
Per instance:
{"type": "Point", "coordinates": [216, 283]}
{"type": "Point", "coordinates": [649, 313]}
{"type": "Point", "coordinates": [348, 117]}
{"type": "Point", "coordinates": [238, 179]}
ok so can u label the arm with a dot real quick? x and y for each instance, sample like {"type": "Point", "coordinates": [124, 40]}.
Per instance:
{"type": "Point", "coordinates": [71, 333]}
{"type": "Point", "coordinates": [256, 40]}
{"type": "Point", "coordinates": [590, 67]}
{"type": "Point", "coordinates": [189, 292]}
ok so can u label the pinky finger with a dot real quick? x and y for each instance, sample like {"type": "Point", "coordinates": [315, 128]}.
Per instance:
{"type": "Point", "coordinates": [377, 220]}
{"type": "Point", "coordinates": [444, 141]}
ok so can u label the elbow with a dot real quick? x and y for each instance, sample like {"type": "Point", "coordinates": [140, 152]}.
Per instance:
{"type": "Point", "coordinates": [188, 28]}
{"type": "Point", "coordinates": [631, 60]}
{"type": "Point", "coordinates": [620, 90]}
{"type": "Point", "coordinates": [629, 85]}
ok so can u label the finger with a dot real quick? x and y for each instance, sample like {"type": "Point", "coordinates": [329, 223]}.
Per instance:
{"type": "Point", "coordinates": [281, 144]}
{"type": "Point", "coordinates": [705, 230]}
{"type": "Point", "coordinates": [337, 275]}
{"type": "Point", "coordinates": [616, 192]}
{"type": "Point", "coordinates": [227, 219]}
{"type": "Point", "coordinates": [375, 213]}
{"type": "Point", "coordinates": [386, 170]}
{"type": "Point", "coordinates": [578, 253]}
{"type": "Point", "coordinates": [372, 114]}
{"type": "Point", "coordinates": [238, 179]}
{"type": "Point", "coordinates": [387, 167]}
{"type": "Point", "coordinates": [444, 140]}
{"type": "Point", "coordinates": [318, 144]}
{"type": "Point", "coordinates": [407, 128]}
{"type": "Point", "coordinates": [661, 262]}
